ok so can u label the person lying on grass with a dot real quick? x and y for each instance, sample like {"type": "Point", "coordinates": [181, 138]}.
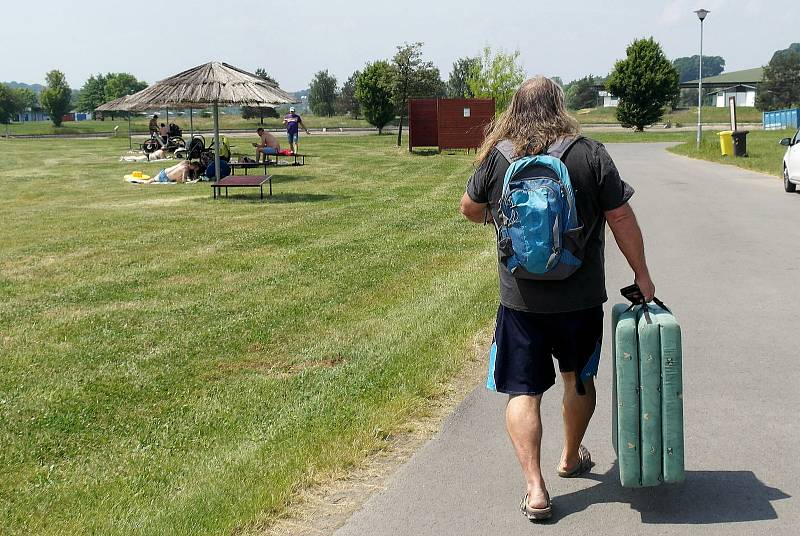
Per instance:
{"type": "Point", "coordinates": [181, 172]}
{"type": "Point", "coordinates": [160, 154]}
{"type": "Point", "coordinates": [268, 145]}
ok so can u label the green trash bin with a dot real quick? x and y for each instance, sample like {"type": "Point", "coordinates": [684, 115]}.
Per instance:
{"type": "Point", "coordinates": [726, 142]}
{"type": "Point", "coordinates": [740, 142]}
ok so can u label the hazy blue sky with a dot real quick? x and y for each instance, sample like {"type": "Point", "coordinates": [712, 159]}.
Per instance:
{"type": "Point", "coordinates": [293, 40]}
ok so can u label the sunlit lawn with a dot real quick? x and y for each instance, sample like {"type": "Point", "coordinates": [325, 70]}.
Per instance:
{"type": "Point", "coordinates": [683, 117]}
{"type": "Point", "coordinates": [765, 154]}
{"type": "Point", "coordinates": [204, 122]}
{"type": "Point", "coordinates": [200, 122]}
{"type": "Point", "coordinates": [172, 364]}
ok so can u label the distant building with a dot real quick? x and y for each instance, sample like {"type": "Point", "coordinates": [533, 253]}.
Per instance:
{"type": "Point", "coordinates": [608, 100]}
{"type": "Point", "coordinates": [31, 115]}
{"type": "Point", "coordinates": [743, 85]}
{"type": "Point", "coordinates": [39, 115]}
{"type": "Point", "coordinates": [745, 96]}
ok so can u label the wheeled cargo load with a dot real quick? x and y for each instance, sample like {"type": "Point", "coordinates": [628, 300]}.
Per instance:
{"type": "Point", "coordinates": [647, 395]}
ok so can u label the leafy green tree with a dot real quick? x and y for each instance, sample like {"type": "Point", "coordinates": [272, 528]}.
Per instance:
{"type": "Point", "coordinates": [55, 97]}
{"type": "Point", "coordinates": [645, 82]}
{"type": "Point", "coordinates": [688, 67]}
{"type": "Point", "coordinates": [780, 87]}
{"type": "Point", "coordinates": [794, 47]}
{"type": "Point", "coordinates": [322, 94]}
{"type": "Point", "coordinates": [262, 73]}
{"type": "Point", "coordinates": [9, 104]}
{"type": "Point", "coordinates": [463, 68]}
{"type": "Point", "coordinates": [93, 94]}
{"type": "Point", "coordinates": [251, 112]}
{"type": "Point", "coordinates": [120, 84]}
{"type": "Point", "coordinates": [374, 93]}
{"type": "Point", "coordinates": [27, 98]}
{"type": "Point", "coordinates": [498, 77]}
{"type": "Point", "coordinates": [346, 101]}
{"type": "Point", "coordinates": [412, 78]}
{"type": "Point", "coordinates": [581, 93]}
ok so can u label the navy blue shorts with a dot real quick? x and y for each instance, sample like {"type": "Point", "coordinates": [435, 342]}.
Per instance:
{"type": "Point", "coordinates": [521, 357]}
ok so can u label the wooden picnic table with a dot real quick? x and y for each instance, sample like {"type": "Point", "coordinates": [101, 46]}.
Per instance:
{"type": "Point", "coordinates": [247, 165]}
{"type": "Point", "coordinates": [302, 158]}
{"type": "Point", "coordinates": [242, 181]}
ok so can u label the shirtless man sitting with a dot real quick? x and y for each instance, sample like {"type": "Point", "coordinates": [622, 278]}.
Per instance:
{"type": "Point", "coordinates": [268, 145]}
{"type": "Point", "coordinates": [180, 172]}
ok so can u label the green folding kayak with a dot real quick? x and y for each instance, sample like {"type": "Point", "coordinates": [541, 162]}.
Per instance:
{"type": "Point", "coordinates": [647, 395]}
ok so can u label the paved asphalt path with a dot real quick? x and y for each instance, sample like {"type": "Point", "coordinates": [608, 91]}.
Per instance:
{"type": "Point", "coordinates": [723, 245]}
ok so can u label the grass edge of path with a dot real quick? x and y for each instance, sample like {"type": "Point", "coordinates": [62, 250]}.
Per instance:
{"type": "Point", "coordinates": [328, 503]}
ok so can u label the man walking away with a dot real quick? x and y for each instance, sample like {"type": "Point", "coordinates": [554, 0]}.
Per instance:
{"type": "Point", "coordinates": [563, 318]}
{"type": "Point", "coordinates": [293, 123]}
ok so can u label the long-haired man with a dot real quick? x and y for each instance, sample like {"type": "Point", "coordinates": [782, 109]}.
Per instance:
{"type": "Point", "coordinates": [541, 319]}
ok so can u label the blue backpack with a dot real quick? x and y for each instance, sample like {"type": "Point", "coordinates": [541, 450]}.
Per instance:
{"type": "Point", "coordinates": [539, 234]}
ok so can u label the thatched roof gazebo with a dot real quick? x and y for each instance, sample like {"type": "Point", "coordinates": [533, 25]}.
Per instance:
{"type": "Point", "coordinates": [211, 84]}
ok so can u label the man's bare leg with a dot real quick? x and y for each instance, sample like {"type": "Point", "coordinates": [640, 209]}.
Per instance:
{"type": "Point", "coordinates": [524, 424]}
{"type": "Point", "coordinates": [577, 410]}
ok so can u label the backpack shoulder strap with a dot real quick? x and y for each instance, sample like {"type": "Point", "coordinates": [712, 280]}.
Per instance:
{"type": "Point", "coordinates": [506, 148]}
{"type": "Point", "coordinates": [560, 148]}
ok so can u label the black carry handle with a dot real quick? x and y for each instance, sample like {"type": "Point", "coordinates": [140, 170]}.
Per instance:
{"type": "Point", "coordinates": [634, 295]}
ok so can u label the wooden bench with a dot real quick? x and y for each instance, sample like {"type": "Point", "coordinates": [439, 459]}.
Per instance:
{"type": "Point", "coordinates": [247, 165]}
{"type": "Point", "coordinates": [242, 181]}
{"type": "Point", "coordinates": [302, 158]}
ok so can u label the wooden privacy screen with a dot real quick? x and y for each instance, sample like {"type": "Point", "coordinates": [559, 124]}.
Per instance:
{"type": "Point", "coordinates": [423, 125]}
{"type": "Point", "coordinates": [448, 123]}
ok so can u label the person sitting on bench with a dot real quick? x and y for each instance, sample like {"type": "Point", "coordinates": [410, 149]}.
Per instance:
{"type": "Point", "coordinates": [180, 172]}
{"type": "Point", "coordinates": [268, 145]}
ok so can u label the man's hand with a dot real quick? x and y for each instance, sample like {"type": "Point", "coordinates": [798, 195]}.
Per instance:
{"type": "Point", "coordinates": [647, 287]}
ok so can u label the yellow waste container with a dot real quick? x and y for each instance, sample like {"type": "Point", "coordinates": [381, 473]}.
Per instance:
{"type": "Point", "coordinates": [726, 142]}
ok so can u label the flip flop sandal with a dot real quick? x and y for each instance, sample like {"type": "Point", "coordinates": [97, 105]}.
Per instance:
{"type": "Point", "coordinates": [536, 514]}
{"type": "Point", "coordinates": [585, 464]}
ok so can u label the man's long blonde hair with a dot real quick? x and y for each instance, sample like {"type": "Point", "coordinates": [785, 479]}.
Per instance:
{"type": "Point", "coordinates": [534, 120]}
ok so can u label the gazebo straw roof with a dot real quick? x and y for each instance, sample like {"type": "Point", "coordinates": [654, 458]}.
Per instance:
{"type": "Point", "coordinates": [208, 84]}
{"type": "Point", "coordinates": [116, 105]}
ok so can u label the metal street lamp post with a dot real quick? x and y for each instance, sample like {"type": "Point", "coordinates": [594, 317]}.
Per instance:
{"type": "Point", "coordinates": [701, 14]}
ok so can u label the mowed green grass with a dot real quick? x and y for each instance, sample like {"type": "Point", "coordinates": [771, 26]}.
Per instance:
{"type": "Point", "coordinates": [139, 124]}
{"type": "Point", "coordinates": [765, 154]}
{"type": "Point", "coordinates": [685, 117]}
{"type": "Point", "coordinates": [171, 364]}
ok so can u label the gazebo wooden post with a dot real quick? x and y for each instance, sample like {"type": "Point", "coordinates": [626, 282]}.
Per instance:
{"type": "Point", "coordinates": [216, 141]}
{"type": "Point", "coordinates": [191, 125]}
{"type": "Point", "coordinates": [130, 142]}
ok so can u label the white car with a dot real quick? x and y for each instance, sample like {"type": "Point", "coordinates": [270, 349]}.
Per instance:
{"type": "Point", "coordinates": [791, 162]}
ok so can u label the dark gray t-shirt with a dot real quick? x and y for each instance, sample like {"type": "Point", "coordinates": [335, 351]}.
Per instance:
{"type": "Point", "coordinates": [598, 188]}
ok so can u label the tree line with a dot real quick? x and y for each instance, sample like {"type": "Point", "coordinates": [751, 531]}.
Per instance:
{"type": "Point", "coordinates": [57, 98]}
{"type": "Point", "coordinates": [380, 91]}
{"type": "Point", "coordinates": [645, 81]}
